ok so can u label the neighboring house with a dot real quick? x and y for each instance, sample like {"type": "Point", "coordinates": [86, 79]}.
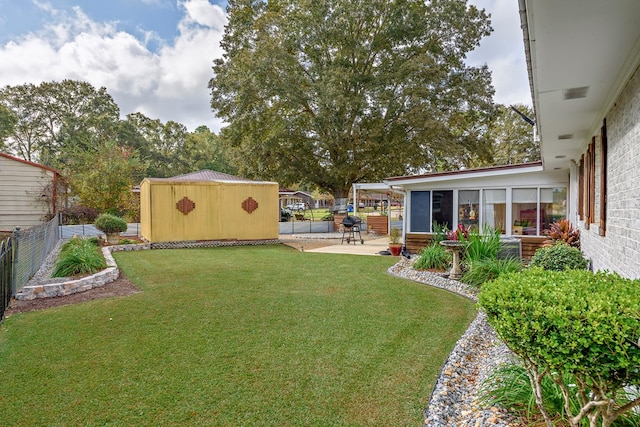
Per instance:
{"type": "Point", "coordinates": [28, 193]}
{"type": "Point", "coordinates": [288, 197]}
{"type": "Point", "coordinates": [583, 60]}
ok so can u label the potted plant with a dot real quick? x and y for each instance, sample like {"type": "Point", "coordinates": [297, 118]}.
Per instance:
{"type": "Point", "coordinates": [395, 246]}
{"type": "Point", "coordinates": [111, 226]}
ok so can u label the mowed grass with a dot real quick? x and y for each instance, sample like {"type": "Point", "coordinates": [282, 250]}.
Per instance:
{"type": "Point", "coordinates": [244, 336]}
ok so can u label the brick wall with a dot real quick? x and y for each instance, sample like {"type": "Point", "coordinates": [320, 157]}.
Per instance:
{"type": "Point", "coordinates": [619, 250]}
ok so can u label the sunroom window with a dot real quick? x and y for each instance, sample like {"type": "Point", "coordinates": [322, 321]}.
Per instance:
{"type": "Point", "coordinates": [469, 208]}
{"type": "Point", "coordinates": [553, 205]}
{"type": "Point", "coordinates": [494, 213]}
{"type": "Point", "coordinates": [525, 211]}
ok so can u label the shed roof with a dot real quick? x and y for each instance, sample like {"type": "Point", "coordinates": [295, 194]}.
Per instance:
{"type": "Point", "coordinates": [206, 175]}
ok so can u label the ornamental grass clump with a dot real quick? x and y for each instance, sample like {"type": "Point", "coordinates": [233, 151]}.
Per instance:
{"type": "Point", "coordinates": [559, 257]}
{"type": "Point", "coordinates": [79, 256]}
{"type": "Point", "coordinates": [433, 257]}
{"type": "Point", "coordinates": [581, 330]}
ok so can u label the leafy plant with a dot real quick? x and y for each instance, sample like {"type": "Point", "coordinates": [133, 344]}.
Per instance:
{"type": "Point", "coordinates": [440, 232]}
{"type": "Point", "coordinates": [482, 270]}
{"type": "Point", "coordinates": [110, 223]}
{"type": "Point", "coordinates": [394, 236]}
{"type": "Point", "coordinates": [562, 231]}
{"type": "Point", "coordinates": [509, 387]}
{"type": "Point", "coordinates": [559, 257]}
{"type": "Point", "coordinates": [433, 257]}
{"type": "Point", "coordinates": [576, 328]}
{"type": "Point", "coordinates": [127, 242]}
{"type": "Point", "coordinates": [78, 256]}
{"type": "Point", "coordinates": [460, 233]}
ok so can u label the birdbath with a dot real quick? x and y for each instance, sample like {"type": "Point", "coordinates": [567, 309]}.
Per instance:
{"type": "Point", "coordinates": [455, 247]}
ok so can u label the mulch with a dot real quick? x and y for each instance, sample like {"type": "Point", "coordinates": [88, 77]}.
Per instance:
{"type": "Point", "coordinates": [118, 288]}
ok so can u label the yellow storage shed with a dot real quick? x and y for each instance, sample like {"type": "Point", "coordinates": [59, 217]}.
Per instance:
{"type": "Point", "coordinates": [208, 206]}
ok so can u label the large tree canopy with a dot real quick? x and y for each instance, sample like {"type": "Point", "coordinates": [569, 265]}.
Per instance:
{"type": "Point", "coordinates": [512, 135]}
{"type": "Point", "coordinates": [330, 92]}
{"type": "Point", "coordinates": [74, 127]}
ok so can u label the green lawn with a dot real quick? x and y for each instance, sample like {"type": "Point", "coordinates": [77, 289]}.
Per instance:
{"type": "Point", "coordinates": [234, 337]}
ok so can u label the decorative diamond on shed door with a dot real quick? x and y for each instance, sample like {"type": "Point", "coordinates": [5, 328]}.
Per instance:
{"type": "Point", "coordinates": [250, 205]}
{"type": "Point", "coordinates": [185, 205]}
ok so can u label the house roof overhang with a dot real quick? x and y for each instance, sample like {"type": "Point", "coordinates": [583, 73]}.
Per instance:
{"type": "Point", "coordinates": [465, 174]}
{"type": "Point", "coordinates": [27, 162]}
{"type": "Point", "coordinates": [580, 54]}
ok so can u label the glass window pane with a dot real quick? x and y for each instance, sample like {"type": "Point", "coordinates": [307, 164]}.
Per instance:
{"type": "Point", "coordinates": [494, 212]}
{"type": "Point", "coordinates": [524, 211]}
{"type": "Point", "coordinates": [420, 211]}
{"type": "Point", "coordinates": [443, 208]}
{"type": "Point", "coordinates": [553, 205]}
{"type": "Point", "coordinates": [469, 208]}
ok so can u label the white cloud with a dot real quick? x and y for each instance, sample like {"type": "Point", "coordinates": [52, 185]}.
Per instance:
{"type": "Point", "coordinates": [503, 52]}
{"type": "Point", "coordinates": [204, 13]}
{"type": "Point", "coordinates": [168, 85]}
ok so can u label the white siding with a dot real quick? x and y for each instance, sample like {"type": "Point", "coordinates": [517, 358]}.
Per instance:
{"type": "Point", "coordinates": [21, 188]}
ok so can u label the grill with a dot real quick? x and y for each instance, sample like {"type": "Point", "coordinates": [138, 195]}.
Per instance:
{"type": "Point", "coordinates": [351, 226]}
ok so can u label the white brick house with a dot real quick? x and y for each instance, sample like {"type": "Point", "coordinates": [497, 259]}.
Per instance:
{"type": "Point", "coordinates": [583, 62]}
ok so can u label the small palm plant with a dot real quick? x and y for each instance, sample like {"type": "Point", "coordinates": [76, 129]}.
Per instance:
{"type": "Point", "coordinates": [562, 231]}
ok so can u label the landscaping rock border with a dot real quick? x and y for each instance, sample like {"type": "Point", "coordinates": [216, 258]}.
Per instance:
{"type": "Point", "coordinates": [477, 353]}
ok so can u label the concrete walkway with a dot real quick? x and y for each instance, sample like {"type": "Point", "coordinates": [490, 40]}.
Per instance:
{"type": "Point", "coordinates": [371, 246]}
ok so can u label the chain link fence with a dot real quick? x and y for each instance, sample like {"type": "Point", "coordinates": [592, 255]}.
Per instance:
{"type": "Point", "coordinates": [31, 249]}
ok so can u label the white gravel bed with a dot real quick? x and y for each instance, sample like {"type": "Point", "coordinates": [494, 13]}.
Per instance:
{"type": "Point", "coordinates": [476, 354]}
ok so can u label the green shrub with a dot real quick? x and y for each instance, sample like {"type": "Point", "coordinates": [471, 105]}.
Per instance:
{"type": "Point", "coordinates": [433, 257]}
{"type": "Point", "coordinates": [482, 270]}
{"type": "Point", "coordinates": [577, 328]}
{"type": "Point", "coordinates": [78, 256]}
{"type": "Point", "coordinates": [559, 257]}
{"type": "Point", "coordinates": [127, 242]}
{"type": "Point", "coordinates": [110, 223]}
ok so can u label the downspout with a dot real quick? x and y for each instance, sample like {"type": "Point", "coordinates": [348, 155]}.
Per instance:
{"type": "Point", "coordinates": [54, 193]}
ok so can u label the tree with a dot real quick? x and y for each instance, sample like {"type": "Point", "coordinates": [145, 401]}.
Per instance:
{"type": "Point", "coordinates": [512, 136]}
{"type": "Point", "coordinates": [103, 178]}
{"type": "Point", "coordinates": [331, 92]}
{"type": "Point", "coordinates": [162, 145]}
{"type": "Point", "coordinates": [8, 121]}
{"type": "Point", "coordinates": [204, 150]}
{"type": "Point", "coordinates": [57, 119]}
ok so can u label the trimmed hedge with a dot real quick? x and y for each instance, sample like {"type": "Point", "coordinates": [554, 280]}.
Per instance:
{"type": "Point", "coordinates": [110, 223]}
{"type": "Point", "coordinates": [572, 324]}
{"type": "Point", "coordinates": [559, 257]}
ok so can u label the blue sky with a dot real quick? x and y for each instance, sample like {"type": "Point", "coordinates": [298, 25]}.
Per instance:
{"type": "Point", "coordinates": [155, 56]}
